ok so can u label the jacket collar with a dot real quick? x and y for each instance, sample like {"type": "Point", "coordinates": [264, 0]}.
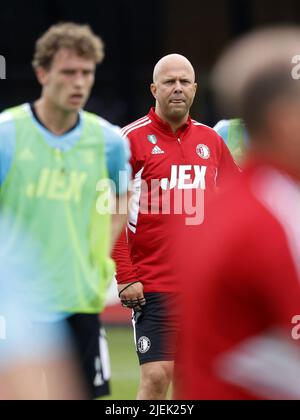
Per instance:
{"type": "Point", "coordinates": [165, 127]}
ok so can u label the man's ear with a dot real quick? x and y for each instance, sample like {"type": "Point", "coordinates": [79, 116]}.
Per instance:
{"type": "Point", "coordinates": [41, 75]}
{"type": "Point", "coordinates": [153, 89]}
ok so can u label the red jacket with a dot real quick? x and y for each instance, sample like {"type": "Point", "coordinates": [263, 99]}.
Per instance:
{"type": "Point", "coordinates": [194, 160]}
{"type": "Point", "coordinates": [242, 287]}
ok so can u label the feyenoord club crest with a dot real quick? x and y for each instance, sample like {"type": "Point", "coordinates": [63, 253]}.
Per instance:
{"type": "Point", "coordinates": [203, 151]}
{"type": "Point", "coordinates": [144, 345]}
{"type": "Point", "coordinates": [152, 138]}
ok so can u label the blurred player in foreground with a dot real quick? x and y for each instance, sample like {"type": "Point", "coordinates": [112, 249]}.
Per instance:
{"type": "Point", "coordinates": [53, 159]}
{"type": "Point", "coordinates": [30, 351]}
{"type": "Point", "coordinates": [243, 272]}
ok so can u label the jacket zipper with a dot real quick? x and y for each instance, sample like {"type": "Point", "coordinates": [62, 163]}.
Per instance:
{"type": "Point", "coordinates": [181, 148]}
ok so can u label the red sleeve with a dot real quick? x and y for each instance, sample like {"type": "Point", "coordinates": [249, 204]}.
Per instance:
{"type": "Point", "coordinates": [125, 271]}
{"type": "Point", "coordinates": [227, 167]}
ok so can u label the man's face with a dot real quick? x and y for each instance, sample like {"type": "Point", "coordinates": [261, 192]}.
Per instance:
{"type": "Point", "coordinates": [69, 80]}
{"type": "Point", "coordinates": [174, 90]}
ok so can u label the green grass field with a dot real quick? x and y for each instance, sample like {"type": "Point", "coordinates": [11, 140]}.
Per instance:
{"type": "Point", "coordinates": [124, 363]}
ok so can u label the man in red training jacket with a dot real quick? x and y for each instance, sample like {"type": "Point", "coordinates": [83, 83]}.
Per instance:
{"type": "Point", "coordinates": [176, 161]}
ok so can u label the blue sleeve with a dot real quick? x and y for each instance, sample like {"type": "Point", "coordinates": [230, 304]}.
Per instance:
{"type": "Point", "coordinates": [222, 128]}
{"type": "Point", "coordinates": [7, 145]}
{"type": "Point", "coordinates": [117, 153]}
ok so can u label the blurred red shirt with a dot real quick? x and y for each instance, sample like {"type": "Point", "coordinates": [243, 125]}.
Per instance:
{"type": "Point", "coordinates": [242, 290]}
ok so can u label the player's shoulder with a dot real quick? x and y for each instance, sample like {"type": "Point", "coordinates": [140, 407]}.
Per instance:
{"type": "Point", "coordinates": [17, 113]}
{"type": "Point", "coordinates": [96, 119]}
{"type": "Point", "coordinates": [264, 197]}
{"type": "Point", "coordinates": [277, 192]}
{"type": "Point", "coordinates": [223, 125]}
{"type": "Point", "coordinates": [115, 142]}
{"type": "Point", "coordinates": [222, 129]}
{"type": "Point", "coordinates": [7, 123]}
{"type": "Point", "coordinates": [136, 127]}
{"type": "Point", "coordinates": [109, 128]}
{"type": "Point", "coordinates": [6, 119]}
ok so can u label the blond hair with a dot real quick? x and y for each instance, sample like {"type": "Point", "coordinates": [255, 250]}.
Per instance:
{"type": "Point", "coordinates": [79, 38]}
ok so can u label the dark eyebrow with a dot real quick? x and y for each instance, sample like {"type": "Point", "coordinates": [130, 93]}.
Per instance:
{"type": "Point", "coordinates": [68, 70]}
{"type": "Point", "coordinates": [75, 70]}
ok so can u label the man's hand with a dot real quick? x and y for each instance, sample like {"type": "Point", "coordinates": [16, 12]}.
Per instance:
{"type": "Point", "coordinates": [132, 295]}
